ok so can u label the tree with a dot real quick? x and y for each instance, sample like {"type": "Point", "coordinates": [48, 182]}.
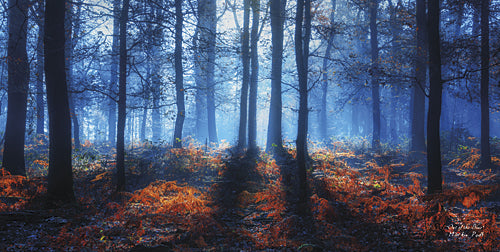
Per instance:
{"type": "Point", "coordinates": [375, 74]}
{"type": "Point", "coordinates": [485, 79]}
{"type": "Point", "coordinates": [72, 30]}
{"type": "Point", "coordinates": [60, 175]}
{"type": "Point", "coordinates": [204, 59]}
{"type": "Point", "coordinates": [302, 38]}
{"type": "Point", "coordinates": [254, 78]}
{"type": "Point", "coordinates": [179, 86]}
{"type": "Point", "coordinates": [434, 181]}
{"type": "Point", "coordinates": [113, 73]}
{"type": "Point", "coordinates": [245, 58]}
{"type": "Point", "coordinates": [17, 87]}
{"type": "Point", "coordinates": [201, 124]}
{"type": "Point", "coordinates": [323, 119]}
{"type": "Point", "coordinates": [396, 52]}
{"type": "Point", "coordinates": [211, 30]}
{"type": "Point", "coordinates": [40, 105]}
{"type": "Point", "coordinates": [153, 40]}
{"type": "Point", "coordinates": [274, 138]}
{"type": "Point", "coordinates": [122, 99]}
{"type": "Point", "coordinates": [417, 145]}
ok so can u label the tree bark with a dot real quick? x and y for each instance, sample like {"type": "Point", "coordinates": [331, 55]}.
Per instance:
{"type": "Point", "coordinates": [60, 175]}
{"type": "Point", "coordinates": [302, 21]}
{"type": "Point", "coordinates": [375, 74]}
{"type": "Point", "coordinates": [245, 58]}
{"type": "Point", "coordinates": [40, 104]}
{"type": "Point", "coordinates": [254, 78]}
{"type": "Point", "coordinates": [142, 134]}
{"type": "Point", "coordinates": [435, 181]}
{"type": "Point", "coordinates": [156, 41]}
{"type": "Point", "coordinates": [395, 24]}
{"type": "Point", "coordinates": [323, 118]}
{"type": "Point", "coordinates": [155, 111]}
{"type": "Point", "coordinates": [417, 146]}
{"type": "Point", "coordinates": [485, 79]}
{"type": "Point", "coordinates": [209, 36]}
{"type": "Point", "coordinates": [179, 80]}
{"type": "Point", "coordinates": [17, 87]}
{"type": "Point", "coordinates": [115, 47]}
{"type": "Point", "coordinates": [71, 33]}
{"type": "Point", "coordinates": [201, 61]}
{"type": "Point", "coordinates": [122, 99]}
{"type": "Point", "coordinates": [274, 138]}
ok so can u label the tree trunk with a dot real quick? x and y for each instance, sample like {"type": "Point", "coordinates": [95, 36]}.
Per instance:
{"type": "Point", "coordinates": [374, 75]}
{"type": "Point", "coordinates": [208, 30]}
{"type": "Point", "coordinates": [179, 80]}
{"type": "Point", "coordinates": [144, 119]}
{"type": "Point", "coordinates": [71, 33]}
{"type": "Point", "coordinates": [435, 181]}
{"type": "Point", "coordinates": [323, 118]}
{"type": "Point", "coordinates": [201, 123]}
{"type": "Point", "coordinates": [17, 92]}
{"type": "Point", "coordinates": [74, 119]}
{"type": "Point", "coordinates": [245, 58]}
{"type": "Point", "coordinates": [395, 88]}
{"type": "Point", "coordinates": [485, 79]}
{"type": "Point", "coordinates": [114, 73]}
{"type": "Point", "coordinates": [122, 99]}
{"type": "Point", "coordinates": [156, 38]}
{"type": "Point", "coordinates": [417, 147]}
{"type": "Point", "coordinates": [60, 175]}
{"type": "Point", "coordinates": [200, 71]}
{"type": "Point", "coordinates": [40, 104]}
{"type": "Point", "coordinates": [274, 138]}
{"type": "Point", "coordinates": [155, 111]}
{"type": "Point", "coordinates": [302, 21]}
{"type": "Point", "coordinates": [254, 79]}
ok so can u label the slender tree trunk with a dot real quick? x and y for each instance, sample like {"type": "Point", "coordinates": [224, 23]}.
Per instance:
{"type": "Point", "coordinates": [144, 119]}
{"type": "Point", "coordinates": [274, 138]}
{"type": "Point", "coordinates": [302, 21]}
{"type": "Point", "coordinates": [395, 88]}
{"type": "Point", "coordinates": [155, 111]}
{"type": "Point", "coordinates": [375, 74]}
{"type": "Point", "coordinates": [201, 104]}
{"type": "Point", "coordinates": [323, 118]}
{"type": "Point", "coordinates": [212, 126]}
{"type": "Point", "coordinates": [179, 80]}
{"type": "Point", "coordinates": [40, 104]}
{"type": "Point", "coordinates": [122, 99]}
{"type": "Point", "coordinates": [200, 62]}
{"type": "Point", "coordinates": [157, 39]}
{"type": "Point", "coordinates": [245, 58]}
{"type": "Point", "coordinates": [114, 72]}
{"type": "Point", "coordinates": [209, 30]}
{"type": "Point", "coordinates": [17, 92]}
{"type": "Point", "coordinates": [254, 79]}
{"type": "Point", "coordinates": [417, 147]}
{"type": "Point", "coordinates": [485, 79]}
{"type": "Point", "coordinates": [60, 175]}
{"type": "Point", "coordinates": [74, 119]}
{"type": "Point", "coordinates": [71, 33]}
{"type": "Point", "coordinates": [435, 181]}
{"type": "Point", "coordinates": [201, 123]}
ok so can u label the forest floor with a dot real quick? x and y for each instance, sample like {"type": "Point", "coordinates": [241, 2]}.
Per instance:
{"type": "Point", "coordinates": [217, 199]}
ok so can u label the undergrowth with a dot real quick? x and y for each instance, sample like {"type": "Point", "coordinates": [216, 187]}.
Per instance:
{"type": "Point", "coordinates": [358, 200]}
